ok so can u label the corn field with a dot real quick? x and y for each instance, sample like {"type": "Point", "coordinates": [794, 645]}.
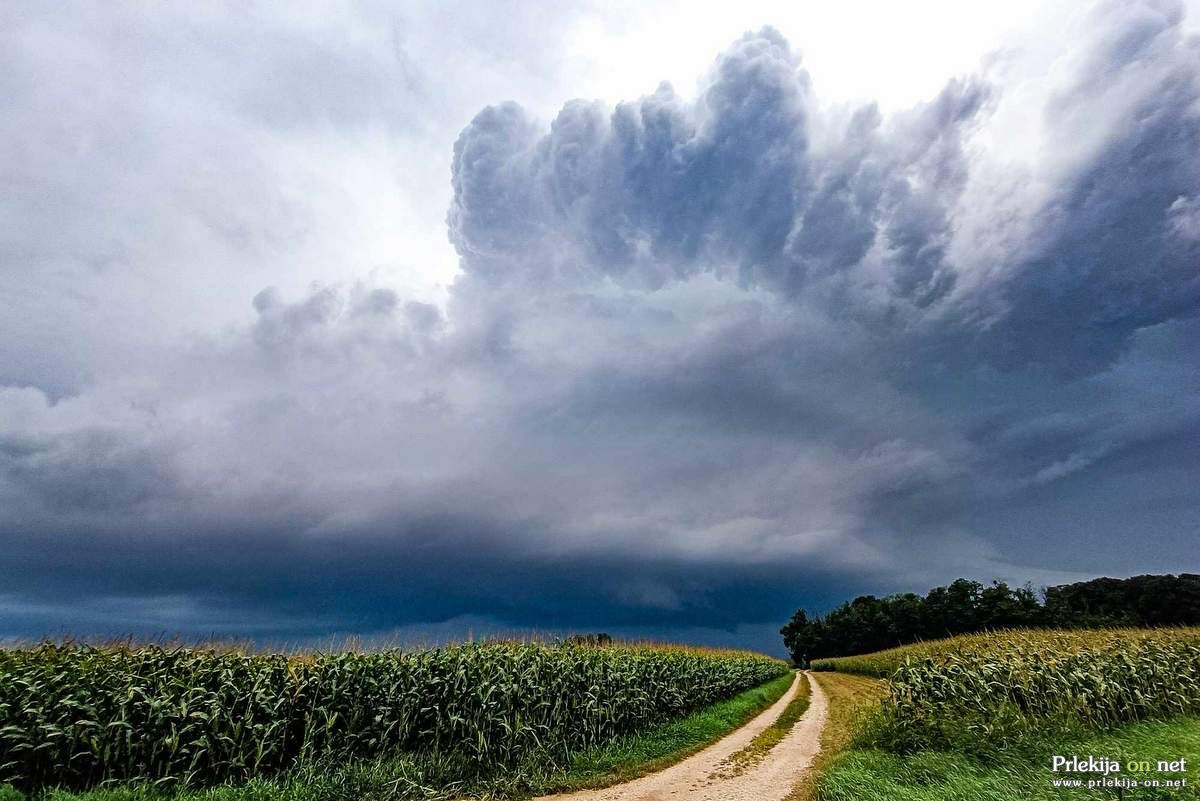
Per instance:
{"type": "Point", "coordinates": [883, 664]}
{"type": "Point", "coordinates": [77, 716]}
{"type": "Point", "coordinates": [1005, 683]}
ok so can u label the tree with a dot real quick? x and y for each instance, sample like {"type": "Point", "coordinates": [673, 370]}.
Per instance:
{"type": "Point", "coordinates": [953, 609]}
{"type": "Point", "coordinates": [868, 623]}
{"type": "Point", "coordinates": [802, 638]}
{"type": "Point", "coordinates": [1002, 608]}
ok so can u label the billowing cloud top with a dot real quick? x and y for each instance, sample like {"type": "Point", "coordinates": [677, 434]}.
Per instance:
{"type": "Point", "coordinates": [704, 360]}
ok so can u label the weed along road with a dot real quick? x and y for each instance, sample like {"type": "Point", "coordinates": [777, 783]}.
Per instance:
{"type": "Point", "coordinates": [717, 773]}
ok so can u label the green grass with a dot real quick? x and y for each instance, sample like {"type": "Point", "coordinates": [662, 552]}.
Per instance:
{"type": "Point", "coordinates": [769, 737]}
{"type": "Point", "coordinates": [665, 745]}
{"type": "Point", "coordinates": [1021, 774]}
{"type": "Point", "coordinates": [850, 699]}
{"type": "Point", "coordinates": [448, 776]}
{"type": "Point", "coordinates": [979, 717]}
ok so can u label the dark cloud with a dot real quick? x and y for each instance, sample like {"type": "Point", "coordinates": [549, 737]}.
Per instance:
{"type": "Point", "coordinates": [661, 190]}
{"type": "Point", "coordinates": [654, 189]}
{"type": "Point", "coordinates": [706, 359]}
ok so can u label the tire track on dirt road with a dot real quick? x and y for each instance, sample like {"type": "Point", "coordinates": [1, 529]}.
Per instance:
{"type": "Point", "coordinates": [703, 777]}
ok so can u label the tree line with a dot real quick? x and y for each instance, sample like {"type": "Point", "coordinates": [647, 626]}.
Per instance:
{"type": "Point", "coordinates": [869, 623]}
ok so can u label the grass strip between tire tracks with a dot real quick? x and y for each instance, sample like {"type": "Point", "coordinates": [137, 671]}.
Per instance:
{"type": "Point", "coordinates": [771, 736]}
{"type": "Point", "coordinates": [662, 746]}
{"type": "Point", "coordinates": [849, 698]}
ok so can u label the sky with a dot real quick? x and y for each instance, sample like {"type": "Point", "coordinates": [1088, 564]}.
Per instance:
{"type": "Point", "coordinates": [413, 321]}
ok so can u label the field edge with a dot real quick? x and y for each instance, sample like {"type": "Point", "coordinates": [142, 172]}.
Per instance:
{"type": "Point", "coordinates": [662, 746]}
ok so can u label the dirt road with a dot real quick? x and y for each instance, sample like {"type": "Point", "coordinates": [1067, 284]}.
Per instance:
{"type": "Point", "coordinates": [705, 776]}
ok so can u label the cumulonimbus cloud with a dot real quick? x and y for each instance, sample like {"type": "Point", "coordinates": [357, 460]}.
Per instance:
{"type": "Point", "coordinates": [902, 223]}
{"type": "Point", "coordinates": [705, 358]}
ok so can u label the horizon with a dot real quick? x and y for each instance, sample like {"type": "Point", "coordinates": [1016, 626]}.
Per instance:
{"type": "Point", "coordinates": [455, 635]}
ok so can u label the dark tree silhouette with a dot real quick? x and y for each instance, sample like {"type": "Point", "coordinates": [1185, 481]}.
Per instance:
{"type": "Point", "coordinates": [868, 623]}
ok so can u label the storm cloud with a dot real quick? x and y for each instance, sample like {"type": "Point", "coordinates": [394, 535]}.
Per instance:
{"type": "Point", "coordinates": [705, 358]}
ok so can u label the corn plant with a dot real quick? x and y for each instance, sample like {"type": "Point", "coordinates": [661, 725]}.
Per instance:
{"type": "Point", "coordinates": [77, 716]}
{"type": "Point", "coordinates": [1003, 684]}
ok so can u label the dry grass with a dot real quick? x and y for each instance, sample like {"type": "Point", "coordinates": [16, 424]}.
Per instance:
{"type": "Point", "coordinates": [741, 761]}
{"type": "Point", "coordinates": [849, 698]}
